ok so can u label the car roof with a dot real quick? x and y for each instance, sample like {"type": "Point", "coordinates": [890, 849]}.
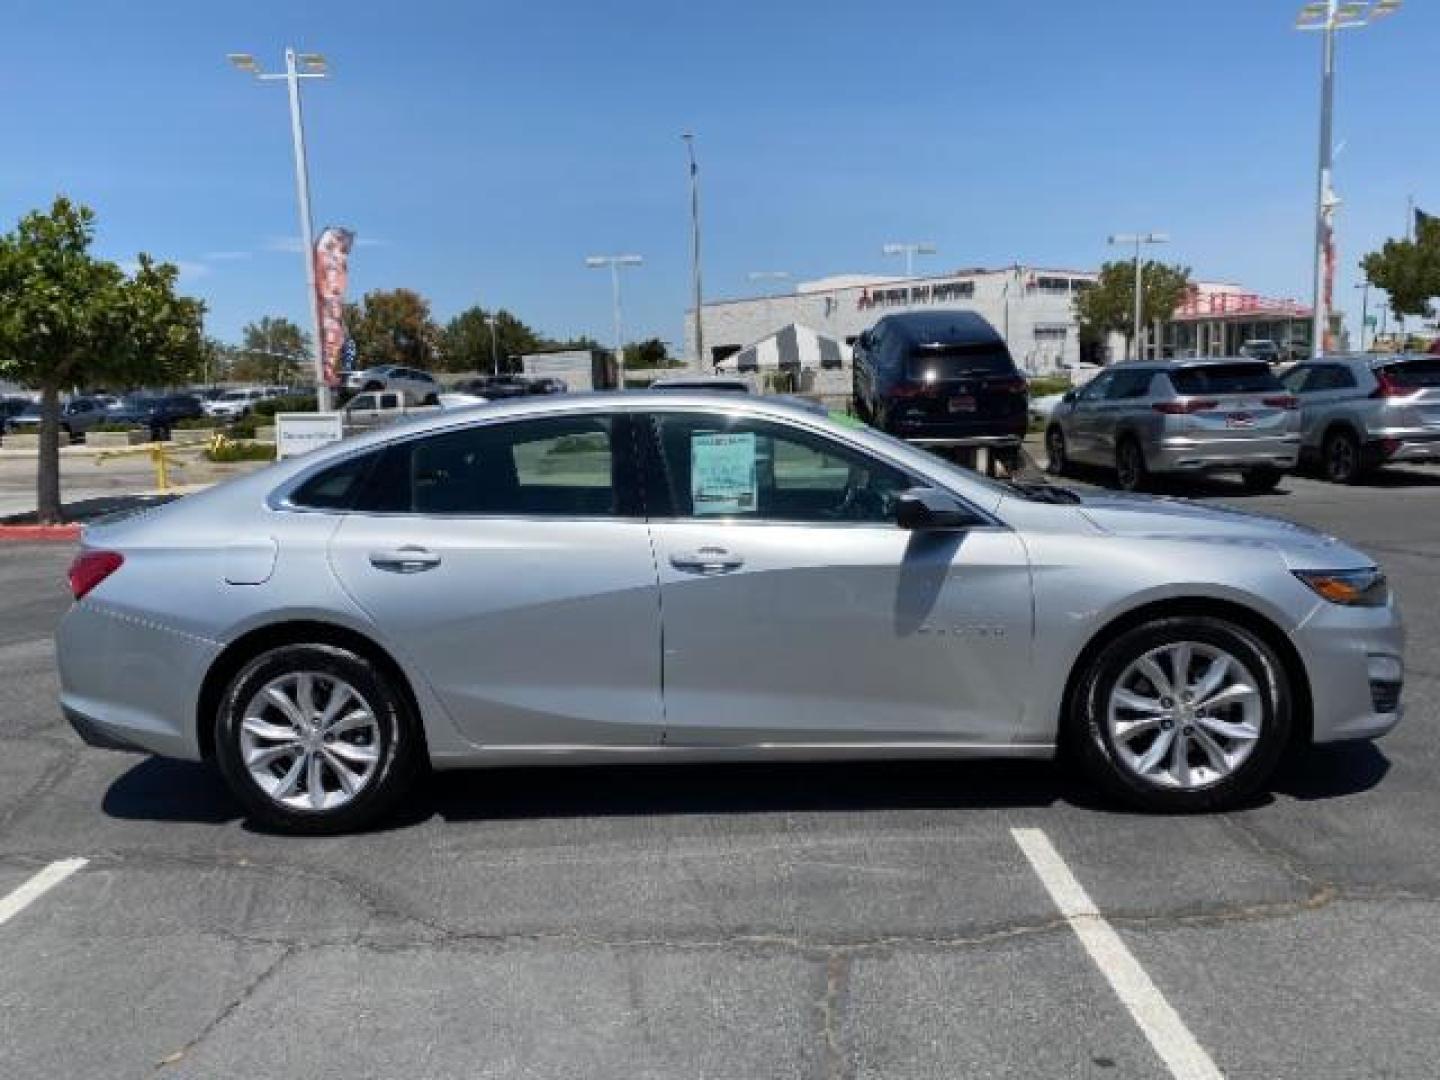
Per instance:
{"type": "Point", "coordinates": [698, 382]}
{"type": "Point", "coordinates": [929, 327]}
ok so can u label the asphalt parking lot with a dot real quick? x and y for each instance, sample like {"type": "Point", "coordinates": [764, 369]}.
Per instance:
{"type": "Point", "coordinates": [896, 921]}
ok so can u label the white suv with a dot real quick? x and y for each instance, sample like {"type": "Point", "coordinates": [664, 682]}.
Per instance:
{"type": "Point", "coordinates": [233, 404]}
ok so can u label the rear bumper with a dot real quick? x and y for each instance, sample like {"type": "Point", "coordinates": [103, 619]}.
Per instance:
{"type": "Point", "coordinates": [1181, 453]}
{"type": "Point", "coordinates": [1407, 444]}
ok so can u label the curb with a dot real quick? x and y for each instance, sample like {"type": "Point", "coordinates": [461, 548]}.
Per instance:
{"type": "Point", "coordinates": [41, 533]}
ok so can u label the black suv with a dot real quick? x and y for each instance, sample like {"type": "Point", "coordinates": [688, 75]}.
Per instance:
{"type": "Point", "coordinates": [941, 377]}
{"type": "Point", "coordinates": [158, 412]}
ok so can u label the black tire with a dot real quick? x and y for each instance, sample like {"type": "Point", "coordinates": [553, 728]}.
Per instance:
{"type": "Point", "coordinates": [1057, 458]}
{"type": "Point", "coordinates": [1260, 480]}
{"type": "Point", "coordinates": [1341, 457]}
{"type": "Point", "coordinates": [1087, 728]}
{"type": "Point", "coordinates": [399, 749]}
{"type": "Point", "coordinates": [1130, 470]}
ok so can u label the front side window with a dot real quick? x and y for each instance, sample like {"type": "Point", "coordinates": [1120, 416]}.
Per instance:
{"type": "Point", "coordinates": [552, 467]}
{"type": "Point", "coordinates": [742, 468]}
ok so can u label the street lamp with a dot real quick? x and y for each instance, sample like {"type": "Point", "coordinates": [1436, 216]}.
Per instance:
{"type": "Point", "coordinates": [490, 321]}
{"type": "Point", "coordinates": [695, 246]}
{"type": "Point", "coordinates": [1139, 239]}
{"type": "Point", "coordinates": [615, 262]}
{"type": "Point", "coordinates": [1364, 310]}
{"type": "Point", "coordinates": [300, 66]}
{"type": "Point", "coordinates": [909, 250]}
{"type": "Point", "coordinates": [1326, 17]}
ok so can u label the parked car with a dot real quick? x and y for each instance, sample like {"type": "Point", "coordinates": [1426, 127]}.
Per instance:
{"type": "Point", "coordinates": [494, 588]}
{"type": "Point", "coordinates": [11, 407]}
{"type": "Point", "coordinates": [940, 378]}
{"type": "Point", "coordinates": [496, 387]}
{"type": "Point", "coordinates": [1358, 413]}
{"type": "Point", "coordinates": [421, 384]}
{"type": "Point", "coordinates": [233, 404]}
{"type": "Point", "coordinates": [77, 416]}
{"type": "Point", "coordinates": [158, 412]}
{"type": "Point", "coordinates": [1179, 418]}
{"type": "Point", "coordinates": [382, 406]}
{"type": "Point", "coordinates": [720, 383]}
{"type": "Point", "coordinates": [1264, 349]}
{"type": "Point", "coordinates": [546, 384]}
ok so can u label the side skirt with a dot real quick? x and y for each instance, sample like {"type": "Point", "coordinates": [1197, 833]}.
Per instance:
{"type": "Point", "coordinates": [502, 756]}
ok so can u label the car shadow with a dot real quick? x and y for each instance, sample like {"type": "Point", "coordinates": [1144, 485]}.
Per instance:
{"type": "Point", "coordinates": [185, 792]}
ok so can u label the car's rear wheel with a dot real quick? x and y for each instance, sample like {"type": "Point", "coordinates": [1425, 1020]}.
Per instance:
{"type": "Point", "coordinates": [1182, 714]}
{"type": "Point", "coordinates": [1057, 461]}
{"type": "Point", "coordinates": [1341, 457]}
{"type": "Point", "coordinates": [1261, 479]}
{"type": "Point", "coordinates": [315, 739]}
{"type": "Point", "coordinates": [1130, 469]}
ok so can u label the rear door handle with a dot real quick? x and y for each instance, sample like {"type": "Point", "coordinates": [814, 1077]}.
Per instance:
{"type": "Point", "coordinates": [404, 560]}
{"type": "Point", "coordinates": [707, 560]}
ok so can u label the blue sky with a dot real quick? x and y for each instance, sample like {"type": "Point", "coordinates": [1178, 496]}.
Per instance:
{"type": "Point", "coordinates": [482, 149]}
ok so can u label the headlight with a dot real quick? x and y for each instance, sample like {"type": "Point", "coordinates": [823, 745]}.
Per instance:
{"type": "Point", "coordinates": [1350, 588]}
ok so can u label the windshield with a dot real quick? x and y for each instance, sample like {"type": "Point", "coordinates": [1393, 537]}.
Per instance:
{"type": "Point", "coordinates": [235, 395]}
{"type": "Point", "coordinates": [1414, 374]}
{"type": "Point", "coordinates": [940, 363]}
{"type": "Point", "coordinates": [1225, 379]}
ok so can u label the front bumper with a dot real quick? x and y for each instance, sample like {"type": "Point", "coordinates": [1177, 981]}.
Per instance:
{"type": "Point", "coordinates": [1179, 453]}
{"type": "Point", "coordinates": [1355, 661]}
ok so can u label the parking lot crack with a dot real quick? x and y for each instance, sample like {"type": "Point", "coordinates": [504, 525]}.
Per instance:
{"type": "Point", "coordinates": [230, 1008]}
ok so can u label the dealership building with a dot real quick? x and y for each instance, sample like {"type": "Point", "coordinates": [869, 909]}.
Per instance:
{"type": "Point", "coordinates": [1032, 308]}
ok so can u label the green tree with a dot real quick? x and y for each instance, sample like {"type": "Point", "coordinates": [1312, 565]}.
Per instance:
{"type": "Point", "coordinates": [70, 320]}
{"type": "Point", "coordinates": [466, 343]}
{"type": "Point", "coordinates": [1109, 306]}
{"type": "Point", "coordinates": [393, 326]}
{"type": "Point", "coordinates": [651, 353]}
{"type": "Point", "coordinates": [1408, 270]}
{"type": "Point", "coordinates": [273, 350]}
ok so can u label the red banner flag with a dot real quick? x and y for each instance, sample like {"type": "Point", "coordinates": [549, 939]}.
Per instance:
{"type": "Point", "coordinates": [332, 275]}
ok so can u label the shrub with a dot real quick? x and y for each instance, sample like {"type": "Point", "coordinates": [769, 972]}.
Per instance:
{"type": "Point", "coordinates": [293, 403]}
{"type": "Point", "coordinates": [1049, 384]}
{"type": "Point", "coordinates": [244, 427]}
{"type": "Point", "coordinates": [195, 423]}
{"type": "Point", "coordinates": [117, 427]}
{"type": "Point", "coordinates": [226, 452]}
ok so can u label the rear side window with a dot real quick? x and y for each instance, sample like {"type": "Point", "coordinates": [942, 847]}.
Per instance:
{"type": "Point", "coordinates": [1225, 379]}
{"type": "Point", "coordinates": [557, 467]}
{"type": "Point", "coordinates": [1414, 374]}
{"type": "Point", "coordinates": [939, 363]}
{"type": "Point", "coordinates": [1129, 384]}
{"type": "Point", "coordinates": [335, 488]}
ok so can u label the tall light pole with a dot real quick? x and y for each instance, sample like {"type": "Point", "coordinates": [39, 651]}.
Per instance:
{"type": "Point", "coordinates": [1327, 17]}
{"type": "Point", "coordinates": [910, 250]}
{"type": "Point", "coordinates": [300, 66]}
{"type": "Point", "coordinates": [494, 346]}
{"type": "Point", "coordinates": [695, 247]}
{"type": "Point", "coordinates": [615, 262]}
{"type": "Point", "coordinates": [1139, 240]}
{"type": "Point", "coordinates": [1364, 310]}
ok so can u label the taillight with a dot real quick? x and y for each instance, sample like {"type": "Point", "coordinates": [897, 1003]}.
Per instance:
{"type": "Point", "coordinates": [1386, 387]}
{"type": "Point", "coordinates": [1182, 408]}
{"type": "Point", "coordinates": [1288, 402]}
{"type": "Point", "coordinates": [90, 568]}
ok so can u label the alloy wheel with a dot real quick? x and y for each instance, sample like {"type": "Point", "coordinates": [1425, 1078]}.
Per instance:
{"type": "Point", "coordinates": [1185, 716]}
{"type": "Point", "coordinates": [310, 741]}
{"type": "Point", "coordinates": [1342, 459]}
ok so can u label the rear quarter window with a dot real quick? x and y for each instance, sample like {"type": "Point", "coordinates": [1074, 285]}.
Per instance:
{"type": "Point", "coordinates": [1224, 379]}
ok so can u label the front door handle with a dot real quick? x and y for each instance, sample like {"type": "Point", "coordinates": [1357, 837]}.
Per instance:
{"type": "Point", "coordinates": [707, 560]}
{"type": "Point", "coordinates": [404, 560]}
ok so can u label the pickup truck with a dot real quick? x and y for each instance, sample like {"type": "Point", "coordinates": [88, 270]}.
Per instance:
{"type": "Point", "coordinates": [375, 407]}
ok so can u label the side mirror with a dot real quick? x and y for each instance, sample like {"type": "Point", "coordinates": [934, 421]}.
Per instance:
{"type": "Point", "coordinates": [930, 508]}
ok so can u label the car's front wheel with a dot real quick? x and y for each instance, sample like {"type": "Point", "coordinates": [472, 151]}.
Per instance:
{"type": "Point", "coordinates": [1341, 457]}
{"type": "Point", "coordinates": [1057, 463]}
{"type": "Point", "coordinates": [315, 739]}
{"type": "Point", "coordinates": [1182, 714]}
{"type": "Point", "coordinates": [1130, 468]}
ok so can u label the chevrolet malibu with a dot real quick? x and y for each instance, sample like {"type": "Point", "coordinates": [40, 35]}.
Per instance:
{"type": "Point", "coordinates": [679, 576]}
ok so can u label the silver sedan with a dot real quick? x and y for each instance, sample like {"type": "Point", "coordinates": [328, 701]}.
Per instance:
{"type": "Point", "coordinates": [679, 576]}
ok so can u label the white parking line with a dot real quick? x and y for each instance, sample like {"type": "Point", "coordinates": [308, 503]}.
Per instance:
{"type": "Point", "coordinates": [1185, 1058]}
{"type": "Point", "coordinates": [37, 886]}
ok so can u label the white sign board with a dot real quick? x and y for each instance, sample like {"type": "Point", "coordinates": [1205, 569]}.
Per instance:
{"type": "Point", "coordinates": [300, 432]}
{"type": "Point", "coordinates": [722, 475]}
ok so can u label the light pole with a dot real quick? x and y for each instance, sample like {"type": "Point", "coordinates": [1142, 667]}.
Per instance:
{"type": "Point", "coordinates": [910, 250]}
{"type": "Point", "coordinates": [695, 247]}
{"type": "Point", "coordinates": [1327, 17]}
{"type": "Point", "coordinates": [1364, 310]}
{"type": "Point", "coordinates": [615, 262]}
{"type": "Point", "coordinates": [1139, 239]}
{"type": "Point", "coordinates": [313, 65]}
{"type": "Point", "coordinates": [490, 321]}
{"type": "Point", "coordinates": [768, 275]}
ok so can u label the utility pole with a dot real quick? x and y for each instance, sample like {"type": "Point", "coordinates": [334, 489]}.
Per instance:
{"type": "Point", "coordinates": [615, 262]}
{"type": "Point", "coordinates": [695, 249]}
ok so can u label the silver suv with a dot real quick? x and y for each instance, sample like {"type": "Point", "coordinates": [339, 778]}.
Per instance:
{"type": "Point", "coordinates": [1360, 412]}
{"type": "Point", "coordinates": [1182, 417]}
{"type": "Point", "coordinates": [419, 384]}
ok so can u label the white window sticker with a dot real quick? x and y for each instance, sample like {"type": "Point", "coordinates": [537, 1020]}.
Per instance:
{"type": "Point", "coordinates": [722, 475]}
